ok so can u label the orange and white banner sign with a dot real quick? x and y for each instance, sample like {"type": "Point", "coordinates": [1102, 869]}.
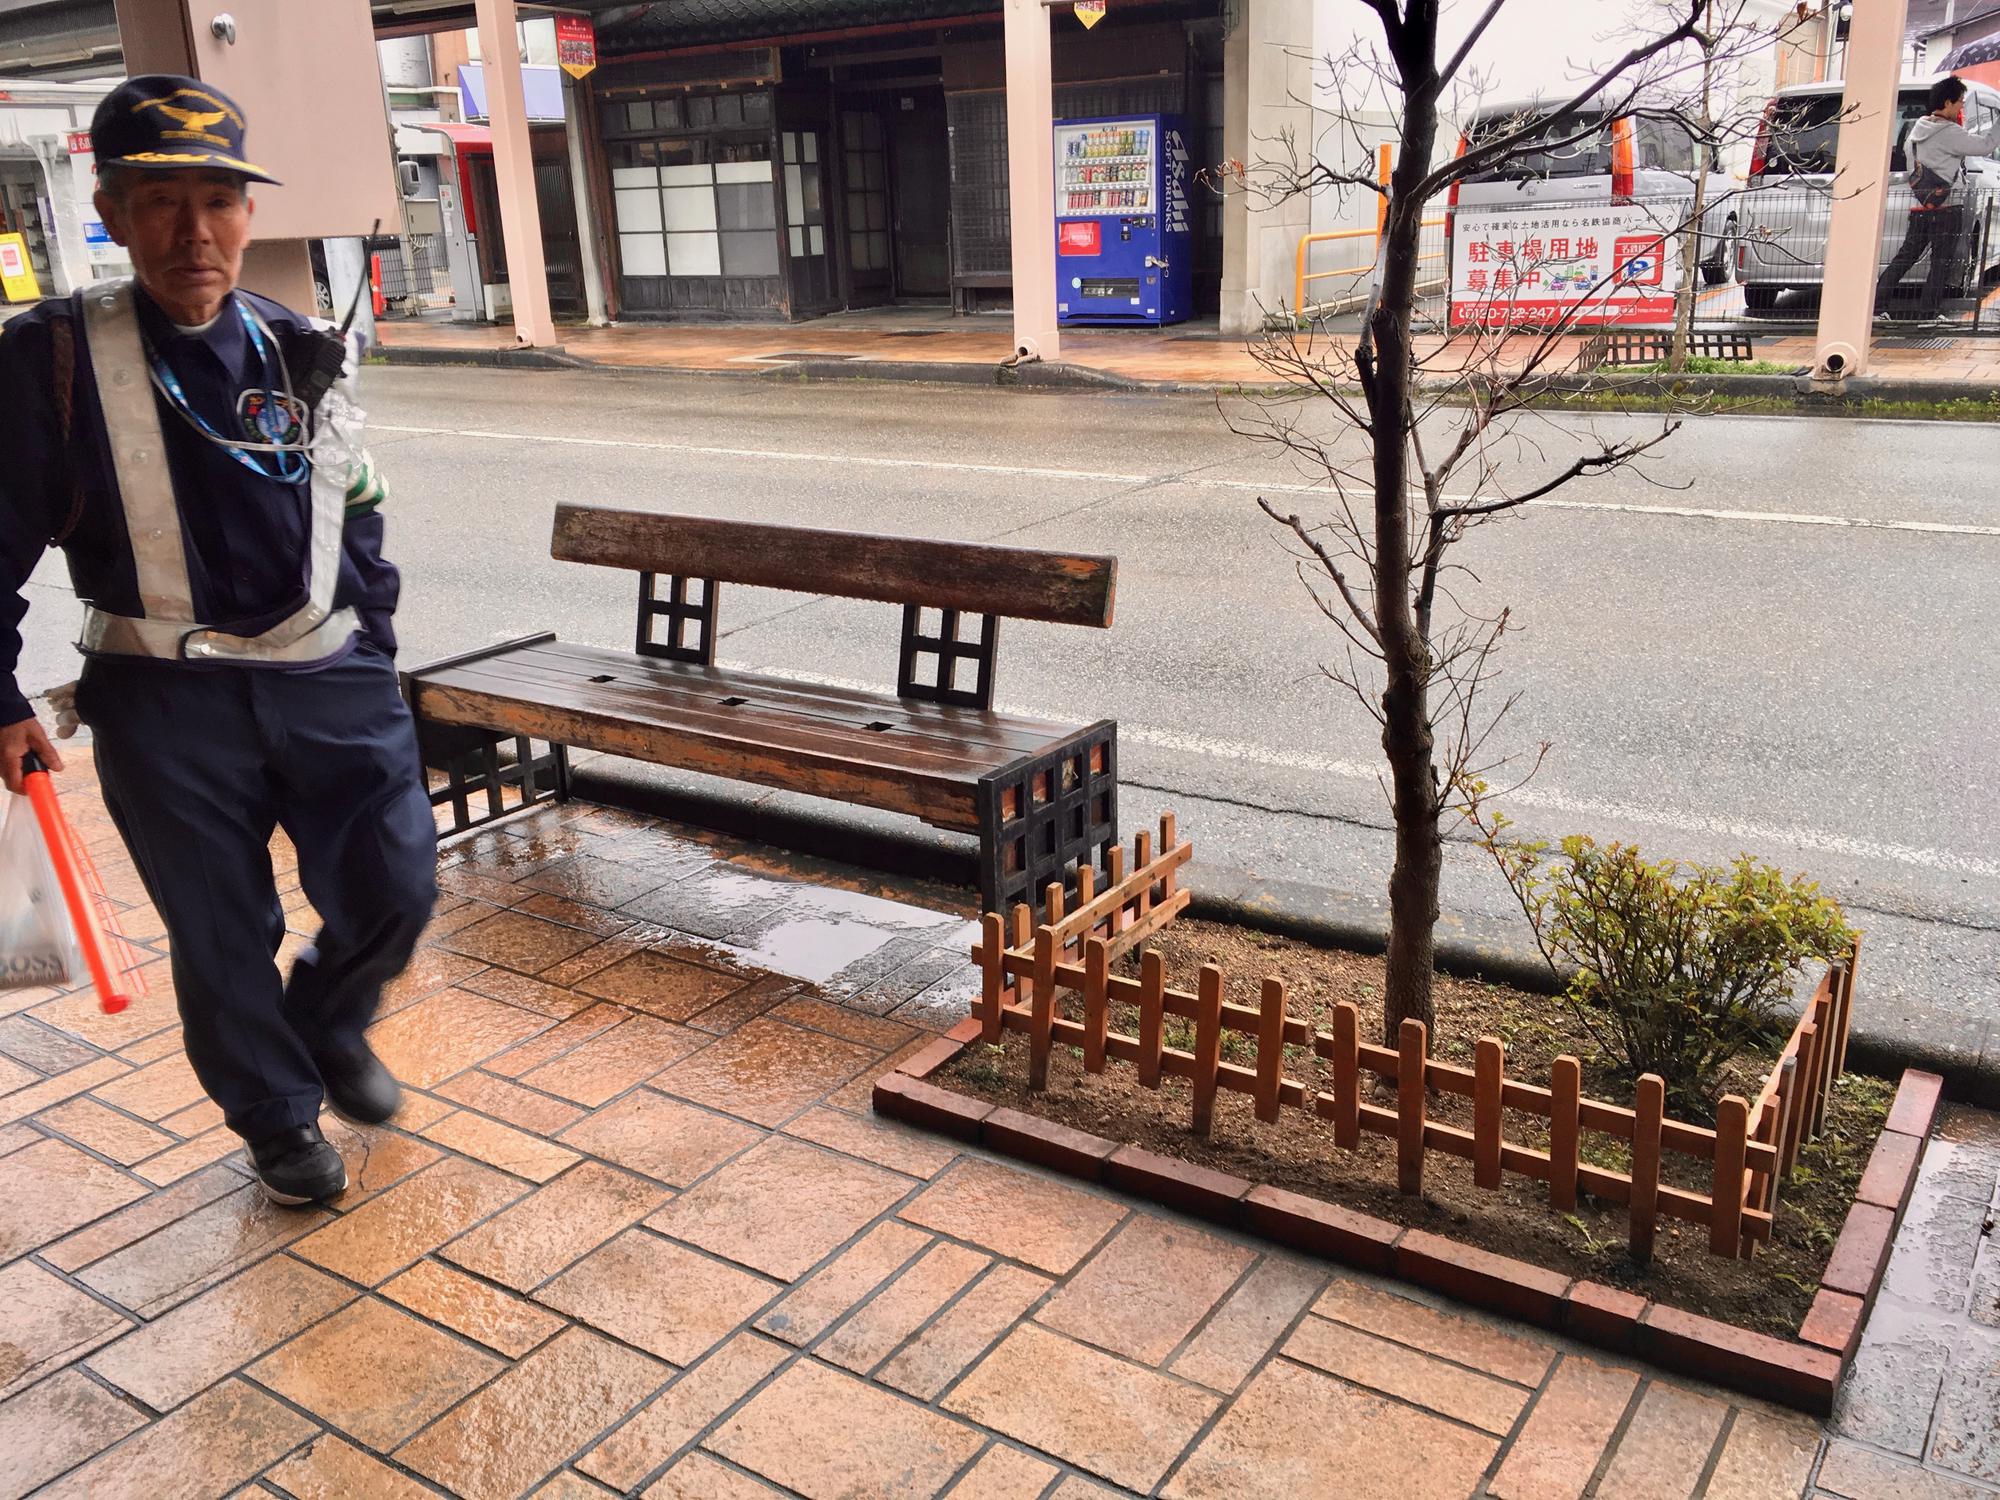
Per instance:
{"type": "Point", "coordinates": [1576, 265]}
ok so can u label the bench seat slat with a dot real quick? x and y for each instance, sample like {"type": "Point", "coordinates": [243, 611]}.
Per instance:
{"type": "Point", "coordinates": [928, 763]}
{"type": "Point", "coordinates": [1024, 735]}
{"type": "Point", "coordinates": [957, 733]}
{"type": "Point", "coordinates": [947, 802]}
{"type": "Point", "coordinates": [751, 721]}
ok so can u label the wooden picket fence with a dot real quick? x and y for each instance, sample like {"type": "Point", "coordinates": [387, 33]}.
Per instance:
{"type": "Point", "coordinates": [1025, 967]}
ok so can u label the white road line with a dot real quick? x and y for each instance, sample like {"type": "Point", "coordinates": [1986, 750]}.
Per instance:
{"type": "Point", "coordinates": [1756, 837]}
{"type": "Point", "coordinates": [781, 455]}
{"type": "Point", "coordinates": [1015, 471]}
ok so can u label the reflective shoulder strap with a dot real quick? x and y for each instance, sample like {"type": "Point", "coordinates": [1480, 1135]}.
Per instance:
{"type": "Point", "coordinates": [138, 451]}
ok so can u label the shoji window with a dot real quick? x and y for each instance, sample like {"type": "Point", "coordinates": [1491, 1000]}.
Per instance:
{"type": "Point", "coordinates": [805, 207]}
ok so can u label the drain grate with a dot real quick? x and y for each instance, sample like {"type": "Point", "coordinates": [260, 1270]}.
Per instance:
{"type": "Point", "coordinates": [792, 356]}
{"type": "Point", "coordinates": [912, 333]}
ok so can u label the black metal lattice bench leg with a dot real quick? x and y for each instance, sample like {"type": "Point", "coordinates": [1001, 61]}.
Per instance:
{"type": "Point", "coordinates": [478, 775]}
{"type": "Point", "coordinates": [1046, 813]}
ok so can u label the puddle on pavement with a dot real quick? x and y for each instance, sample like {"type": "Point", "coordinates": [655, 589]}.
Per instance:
{"type": "Point", "coordinates": [829, 904]}
{"type": "Point", "coordinates": [810, 948]}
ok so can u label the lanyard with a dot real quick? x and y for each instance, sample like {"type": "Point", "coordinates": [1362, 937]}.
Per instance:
{"type": "Point", "coordinates": [291, 466]}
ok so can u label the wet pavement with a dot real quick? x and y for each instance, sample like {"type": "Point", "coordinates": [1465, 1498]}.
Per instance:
{"type": "Point", "coordinates": [1926, 1384]}
{"type": "Point", "coordinates": [635, 1231]}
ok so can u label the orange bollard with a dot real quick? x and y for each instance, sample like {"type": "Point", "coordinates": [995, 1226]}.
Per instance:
{"type": "Point", "coordinates": [41, 792]}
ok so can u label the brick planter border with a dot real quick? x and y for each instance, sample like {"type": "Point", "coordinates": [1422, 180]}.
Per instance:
{"type": "Point", "coordinates": [1802, 1372]}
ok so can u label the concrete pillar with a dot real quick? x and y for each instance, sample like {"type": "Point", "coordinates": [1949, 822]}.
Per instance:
{"type": "Point", "coordinates": [346, 270]}
{"type": "Point", "coordinates": [281, 270]}
{"type": "Point", "coordinates": [586, 216]}
{"type": "Point", "coordinates": [1031, 179]}
{"type": "Point", "coordinates": [514, 173]}
{"type": "Point", "coordinates": [1267, 99]}
{"type": "Point", "coordinates": [305, 76]}
{"type": "Point", "coordinates": [1861, 167]}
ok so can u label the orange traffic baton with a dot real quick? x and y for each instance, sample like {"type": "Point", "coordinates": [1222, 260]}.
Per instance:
{"type": "Point", "coordinates": [75, 878]}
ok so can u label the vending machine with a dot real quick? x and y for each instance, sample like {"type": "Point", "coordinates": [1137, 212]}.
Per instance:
{"type": "Point", "coordinates": [1124, 240]}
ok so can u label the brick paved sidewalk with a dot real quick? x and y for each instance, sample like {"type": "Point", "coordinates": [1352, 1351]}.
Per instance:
{"type": "Point", "coordinates": [636, 1232]}
{"type": "Point", "coordinates": [1190, 356]}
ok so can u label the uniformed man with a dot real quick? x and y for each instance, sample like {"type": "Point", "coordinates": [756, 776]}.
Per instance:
{"type": "Point", "coordinates": [176, 438]}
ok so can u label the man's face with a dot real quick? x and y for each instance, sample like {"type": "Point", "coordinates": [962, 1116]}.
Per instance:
{"type": "Point", "coordinates": [185, 232]}
{"type": "Point", "coordinates": [1955, 111]}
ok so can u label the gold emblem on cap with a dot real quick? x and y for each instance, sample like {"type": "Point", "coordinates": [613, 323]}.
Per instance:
{"type": "Point", "coordinates": [193, 119]}
{"type": "Point", "coordinates": [193, 122]}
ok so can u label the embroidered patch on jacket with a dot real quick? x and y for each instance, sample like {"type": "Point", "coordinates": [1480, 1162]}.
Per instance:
{"type": "Point", "coordinates": [268, 417]}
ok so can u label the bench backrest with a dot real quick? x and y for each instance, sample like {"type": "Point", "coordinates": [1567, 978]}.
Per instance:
{"type": "Point", "coordinates": [1017, 583]}
{"type": "Point", "coordinates": [698, 553]}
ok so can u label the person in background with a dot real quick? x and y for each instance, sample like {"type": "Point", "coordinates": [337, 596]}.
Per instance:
{"type": "Point", "coordinates": [239, 678]}
{"type": "Point", "coordinates": [1935, 154]}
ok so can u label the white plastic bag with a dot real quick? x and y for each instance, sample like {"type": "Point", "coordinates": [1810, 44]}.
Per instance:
{"type": "Point", "coordinates": [38, 942]}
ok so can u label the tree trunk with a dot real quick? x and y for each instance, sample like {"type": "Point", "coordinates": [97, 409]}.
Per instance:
{"type": "Point", "coordinates": [1419, 867]}
{"type": "Point", "coordinates": [1406, 730]}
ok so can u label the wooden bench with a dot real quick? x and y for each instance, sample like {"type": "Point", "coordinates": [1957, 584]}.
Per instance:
{"type": "Point", "coordinates": [1040, 796]}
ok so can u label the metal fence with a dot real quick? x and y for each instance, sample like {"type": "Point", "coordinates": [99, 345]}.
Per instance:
{"type": "Point", "coordinates": [412, 269]}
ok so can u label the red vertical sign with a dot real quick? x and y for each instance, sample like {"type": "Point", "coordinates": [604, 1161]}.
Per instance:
{"type": "Point", "coordinates": [576, 45]}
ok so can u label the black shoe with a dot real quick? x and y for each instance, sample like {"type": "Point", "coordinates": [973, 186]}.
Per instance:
{"type": "Point", "coordinates": [297, 1166]}
{"type": "Point", "coordinates": [359, 1088]}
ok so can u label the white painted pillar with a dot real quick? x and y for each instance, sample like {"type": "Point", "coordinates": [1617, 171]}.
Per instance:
{"type": "Point", "coordinates": [347, 271]}
{"type": "Point", "coordinates": [514, 172]}
{"type": "Point", "coordinates": [1031, 179]}
{"type": "Point", "coordinates": [1266, 97]}
{"type": "Point", "coordinates": [1861, 167]}
{"type": "Point", "coordinates": [586, 219]}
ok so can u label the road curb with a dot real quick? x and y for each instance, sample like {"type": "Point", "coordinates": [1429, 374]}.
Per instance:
{"type": "Point", "coordinates": [1055, 375]}
{"type": "Point", "coordinates": [1799, 390]}
{"type": "Point", "coordinates": [1469, 946]}
{"type": "Point", "coordinates": [507, 359]}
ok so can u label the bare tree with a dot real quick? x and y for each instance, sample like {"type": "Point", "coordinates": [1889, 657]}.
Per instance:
{"type": "Point", "coordinates": [1431, 408]}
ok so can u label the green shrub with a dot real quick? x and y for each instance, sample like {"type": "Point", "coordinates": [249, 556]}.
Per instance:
{"type": "Point", "coordinates": [1678, 968]}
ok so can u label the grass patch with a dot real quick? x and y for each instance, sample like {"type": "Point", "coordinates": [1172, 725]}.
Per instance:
{"type": "Point", "coordinates": [1702, 365]}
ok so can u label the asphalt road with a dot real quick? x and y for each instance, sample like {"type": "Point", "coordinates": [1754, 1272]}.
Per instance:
{"type": "Point", "coordinates": [1778, 635]}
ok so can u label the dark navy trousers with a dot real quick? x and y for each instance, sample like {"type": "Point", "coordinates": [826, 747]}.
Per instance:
{"type": "Point", "coordinates": [198, 767]}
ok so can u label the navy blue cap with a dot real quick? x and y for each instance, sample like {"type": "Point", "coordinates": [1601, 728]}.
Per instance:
{"type": "Point", "coordinates": [160, 122]}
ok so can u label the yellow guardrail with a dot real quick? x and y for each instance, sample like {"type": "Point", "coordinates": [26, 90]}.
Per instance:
{"type": "Point", "coordinates": [1301, 275]}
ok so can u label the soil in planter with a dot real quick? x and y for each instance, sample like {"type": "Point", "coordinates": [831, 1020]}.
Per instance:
{"type": "Point", "coordinates": [1769, 1293]}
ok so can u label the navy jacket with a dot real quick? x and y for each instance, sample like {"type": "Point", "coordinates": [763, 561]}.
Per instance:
{"type": "Point", "coordinates": [245, 536]}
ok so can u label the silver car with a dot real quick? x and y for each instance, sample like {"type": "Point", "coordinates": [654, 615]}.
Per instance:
{"type": "Point", "coordinates": [1785, 214]}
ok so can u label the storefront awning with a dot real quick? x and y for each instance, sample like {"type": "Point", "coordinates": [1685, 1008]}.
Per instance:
{"type": "Point", "coordinates": [442, 138]}
{"type": "Point", "coordinates": [542, 83]}
{"type": "Point", "coordinates": [682, 23]}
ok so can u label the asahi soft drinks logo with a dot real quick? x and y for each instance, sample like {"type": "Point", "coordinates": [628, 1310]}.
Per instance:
{"type": "Point", "coordinates": [1177, 198]}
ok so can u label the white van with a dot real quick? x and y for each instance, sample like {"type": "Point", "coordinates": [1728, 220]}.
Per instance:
{"type": "Point", "coordinates": [1634, 158]}
{"type": "Point", "coordinates": [1783, 244]}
